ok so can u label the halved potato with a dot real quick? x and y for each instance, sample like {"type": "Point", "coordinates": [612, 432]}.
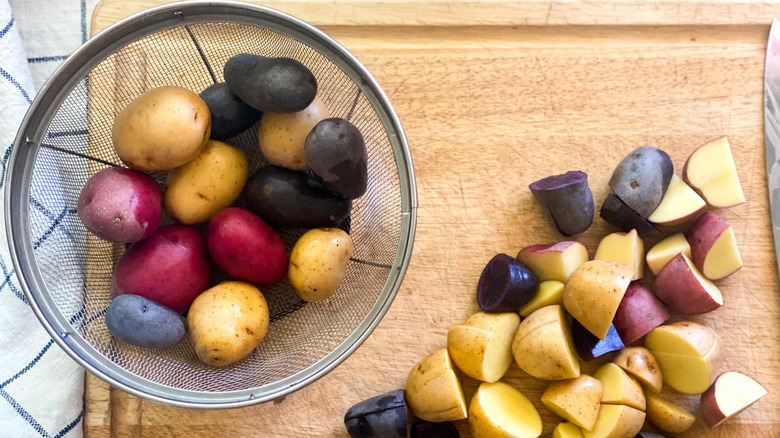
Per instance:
{"type": "Point", "coordinates": [667, 416]}
{"type": "Point", "coordinates": [433, 390]}
{"type": "Point", "coordinates": [482, 347]}
{"type": "Point", "coordinates": [616, 421]}
{"type": "Point", "coordinates": [543, 346]}
{"type": "Point", "coordinates": [499, 410]}
{"type": "Point", "coordinates": [619, 387]}
{"type": "Point", "coordinates": [640, 363]}
{"type": "Point", "coordinates": [577, 400]}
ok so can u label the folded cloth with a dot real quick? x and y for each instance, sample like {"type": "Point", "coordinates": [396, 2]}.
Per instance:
{"type": "Point", "coordinates": [41, 388]}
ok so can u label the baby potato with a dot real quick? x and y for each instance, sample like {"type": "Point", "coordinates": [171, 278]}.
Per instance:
{"type": "Point", "coordinates": [318, 262]}
{"type": "Point", "coordinates": [161, 129]}
{"type": "Point", "coordinates": [209, 183]}
{"type": "Point", "coordinates": [227, 322]}
{"type": "Point", "coordinates": [282, 135]}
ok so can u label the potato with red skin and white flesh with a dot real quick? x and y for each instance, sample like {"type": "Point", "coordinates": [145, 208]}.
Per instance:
{"type": "Point", "coordinates": [690, 355]}
{"type": "Point", "coordinates": [729, 394]}
{"type": "Point", "coordinates": [482, 346]}
{"type": "Point", "coordinates": [499, 410]}
{"type": "Point", "coordinates": [638, 313]}
{"type": "Point", "coordinates": [576, 400]}
{"type": "Point", "coordinates": [433, 391]}
{"type": "Point", "coordinates": [667, 416]}
{"type": "Point", "coordinates": [616, 421]}
{"type": "Point", "coordinates": [620, 388]}
{"type": "Point", "coordinates": [710, 170]}
{"type": "Point", "coordinates": [616, 212]}
{"type": "Point", "coordinates": [625, 248]}
{"type": "Point", "coordinates": [282, 136]}
{"type": "Point", "coordinates": [679, 205]}
{"type": "Point", "coordinates": [589, 346]}
{"type": "Point", "coordinates": [171, 267]}
{"type": "Point", "coordinates": [567, 430]}
{"type": "Point", "coordinates": [685, 290]}
{"type": "Point", "coordinates": [568, 199]}
{"type": "Point", "coordinates": [505, 285]}
{"type": "Point", "coordinates": [640, 180]}
{"type": "Point", "coordinates": [640, 363]}
{"type": "Point", "coordinates": [120, 205]}
{"type": "Point", "coordinates": [593, 293]}
{"type": "Point", "coordinates": [543, 346]}
{"type": "Point", "coordinates": [246, 247]}
{"type": "Point", "coordinates": [548, 293]}
{"type": "Point", "coordinates": [555, 261]}
{"type": "Point", "coordinates": [660, 254]}
{"type": "Point", "coordinates": [714, 246]}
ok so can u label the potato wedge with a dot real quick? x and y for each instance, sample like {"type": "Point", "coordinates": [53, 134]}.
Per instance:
{"type": "Point", "coordinates": [482, 347]}
{"type": "Point", "coordinates": [575, 400]}
{"type": "Point", "coordinates": [550, 292]}
{"type": "Point", "coordinates": [616, 421]}
{"type": "Point", "coordinates": [640, 363]}
{"type": "Point", "coordinates": [566, 430]}
{"type": "Point", "coordinates": [499, 410]}
{"type": "Point", "coordinates": [433, 391]}
{"type": "Point", "coordinates": [543, 346]}
{"type": "Point", "coordinates": [619, 387]}
{"type": "Point", "coordinates": [667, 416]}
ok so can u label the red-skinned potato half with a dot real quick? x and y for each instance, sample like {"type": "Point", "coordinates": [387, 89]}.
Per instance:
{"type": "Point", "coordinates": [685, 290]}
{"type": "Point", "coordinates": [639, 312]}
{"type": "Point", "coordinates": [729, 394]}
{"type": "Point", "coordinates": [714, 246]}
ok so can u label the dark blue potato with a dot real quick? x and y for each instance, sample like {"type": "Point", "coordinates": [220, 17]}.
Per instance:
{"type": "Point", "coordinates": [641, 179]}
{"type": "Point", "coordinates": [287, 198]}
{"type": "Point", "coordinates": [617, 213]}
{"type": "Point", "coordinates": [279, 85]}
{"type": "Point", "coordinates": [383, 416]}
{"type": "Point", "coordinates": [649, 435]}
{"type": "Point", "coordinates": [425, 429]}
{"type": "Point", "coordinates": [505, 285]}
{"type": "Point", "coordinates": [230, 116]}
{"type": "Point", "coordinates": [144, 323]}
{"type": "Point", "coordinates": [589, 346]}
{"type": "Point", "coordinates": [568, 199]}
{"type": "Point", "coordinates": [336, 152]}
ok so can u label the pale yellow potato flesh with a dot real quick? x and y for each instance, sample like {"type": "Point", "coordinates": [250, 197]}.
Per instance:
{"type": "Point", "coordinates": [625, 248]}
{"type": "Point", "coordinates": [556, 262]}
{"type": "Point", "coordinates": [433, 391]}
{"type": "Point", "coordinates": [619, 387]}
{"type": "Point", "coordinates": [679, 204]}
{"type": "Point", "coordinates": [543, 346]}
{"type": "Point", "coordinates": [723, 258]}
{"type": "Point", "coordinates": [501, 411]}
{"type": "Point", "coordinates": [550, 292]}
{"type": "Point", "coordinates": [566, 430]}
{"type": "Point", "coordinates": [667, 416]}
{"type": "Point", "coordinates": [665, 250]}
{"type": "Point", "coordinates": [640, 363]}
{"type": "Point", "coordinates": [482, 347]}
{"type": "Point", "coordinates": [593, 293]}
{"type": "Point", "coordinates": [711, 171]}
{"type": "Point", "coordinates": [575, 400]}
{"type": "Point", "coordinates": [616, 421]}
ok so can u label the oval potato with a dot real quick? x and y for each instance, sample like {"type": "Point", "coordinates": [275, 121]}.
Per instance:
{"type": "Point", "coordinates": [318, 262]}
{"type": "Point", "coordinates": [209, 183]}
{"type": "Point", "coordinates": [667, 416]}
{"type": "Point", "coordinates": [433, 390]}
{"type": "Point", "coordinates": [281, 136]}
{"type": "Point", "coordinates": [640, 363]}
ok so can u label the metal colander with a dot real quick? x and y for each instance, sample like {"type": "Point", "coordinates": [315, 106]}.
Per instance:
{"type": "Point", "coordinates": [66, 137]}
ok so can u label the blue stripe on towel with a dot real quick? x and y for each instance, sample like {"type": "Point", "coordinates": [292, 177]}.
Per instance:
{"type": "Point", "coordinates": [41, 59]}
{"type": "Point", "coordinates": [16, 84]}
{"type": "Point", "coordinates": [7, 28]}
{"type": "Point", "coordinates": [67, 133]}
{"type": "Point", "coordinates": [24, 414]}
{"type": "Point", "coordinates": [70, 426]}
{"type": "Point", "coordinates": [51, 229]}
{"type": "Point", "coordinates": [8, 276]}
{"type": "Point", "coordinates": [29, 365]}
{"type": "Point", "coordinates": [83, 21]}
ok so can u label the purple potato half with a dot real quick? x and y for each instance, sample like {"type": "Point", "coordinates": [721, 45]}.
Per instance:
{"type": "Point", "coordinates": [505, 285]}
{"type": "Point", "coordinates": [568, 199]}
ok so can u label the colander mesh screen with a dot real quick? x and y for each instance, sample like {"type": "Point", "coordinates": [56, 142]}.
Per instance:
{"type": "Point", "coordinates": [76, 266]}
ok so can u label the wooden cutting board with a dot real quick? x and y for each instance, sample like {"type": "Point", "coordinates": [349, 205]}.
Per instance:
{"type": "Point", "coordinates": [494, 95]}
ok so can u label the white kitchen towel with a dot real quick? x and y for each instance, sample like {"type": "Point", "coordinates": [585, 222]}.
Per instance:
{"type": "Point", "coordinates": [41, 388]}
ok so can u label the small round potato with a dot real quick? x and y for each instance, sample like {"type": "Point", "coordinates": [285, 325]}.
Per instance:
{"type": "Point", "coordinates": [161, 129]}
{"type": "Point", "coordinates": [211, 182]}
{"type": "Point", "coordinates": [227, 322]}
{"type": "Point", "coordinates": [318, 262]}
{"type": "Point", "coordinates": [282, 135]}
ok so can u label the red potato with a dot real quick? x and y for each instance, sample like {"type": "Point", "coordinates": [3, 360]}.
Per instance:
{"type": "Point", "coordinates": [685, 290]}
{"type": "Point", "coordinates": [120, 205]}
{"type": "Point", "coordinates": [639, 312]}
{"type": "Point", "coordinates": [710, 170]}
{"type": "Point", "coordinates": [170, 267]}
{"type": "Point", "coordinates": [714, 247]}
{"type": "Point", "coordinates": [247, 248]}
{"type": "Point", "coordinates": [729, 394]}
{"type": "Point", "coordinates": [555, 261]}
{"type": "Point", "coordinates": [680, 204]}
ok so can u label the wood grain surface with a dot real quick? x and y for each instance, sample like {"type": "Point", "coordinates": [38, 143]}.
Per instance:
{"type": "Point", "coordinates": [490, 105]}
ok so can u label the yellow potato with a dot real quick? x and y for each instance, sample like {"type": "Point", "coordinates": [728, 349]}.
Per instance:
{"type": "Point", "coordinates": [543, 346]}
{"type": "Point", "coordinates": [212, 181]}
{"type": "Point", "coordinates": [227, 322]}
{"type": "Point", "coordinates": [161, 129]}
{"type": "Point", "coordinates": [281, 135]}
{"type": "Point", "coordinates": [689, 354]}
{"type": "Point", "coordinates": [641, 364]}
{"type": "Point", "coordinates": [593, 293]}
{"type": "Point", "coordinates": [482, 346]}
{"type": "Point", "coordinates": [619, 387]}
{"type": "Point", "coordinates": [550, 292]}
{"type": "Point", "coordinates": [576, 400]}
{"type": "Point", "coordinates": [667, 416]}
{"type": "Point", "coordinates": [616, 421]}
{"type": "Point", "coordinates": [318, 262]}
{"type": "Point", "coordinates": [566, 430]}
{"type": "Point", "coordinates": [501, 411]}
{"type": "Point", "coordinates": [433, 391]}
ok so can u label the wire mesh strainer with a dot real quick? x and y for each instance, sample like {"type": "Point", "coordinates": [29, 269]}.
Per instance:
{"type": "Point", "coordinates": [66, 136]}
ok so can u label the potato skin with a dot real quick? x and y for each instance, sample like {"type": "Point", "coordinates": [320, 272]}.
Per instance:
{"type": "Point", "coordinates": [318, 262]}
{"type": "Point", "coordinates": [641, 179]}
{"type": "Point", "coordinates": [209, 183]}
{"type": "Point", "coordinates": [281, 85]}
{"type": "Point", "coordinates": [162, 128]}
{"type": "Point", "coordinates": [336, 152]}
{"type": "Point", "coordinates": [281, 136]}
{"type": "Point", "coordinates": [227, 322]}
{"type": "Point", "coordinates": [142, 322]}
{"type": "Point", "coordinates": [120, 205]}
{"type": "Point", "coordinates": [230, 115]}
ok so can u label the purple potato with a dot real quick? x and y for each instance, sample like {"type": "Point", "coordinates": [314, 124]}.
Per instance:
{"type": "Point", "coordinates": [336, 152]}
{"type": "Point", "coordinates": [426, 429]}
{"type": "Point", "coordinates": [568, 199]}
{"type": "Point", "coordinates": [505, 285]}
{"type": "Point", "coordinates": [383, 416]}
{"type": "Point", "coordinates": [230, 116]}
{"type": "Point", "coordinates": [279, 85]}
{"type": "Point", "coordinates": [641, 179]}
{"type": "Point", "coordinates": [617, 213]}
{"type": "Point", "coordinates": [142, 322]}
{"type": "Point", "coordinates": [589, 346]}
{"type": "Point", "coordinates": [649, 435]}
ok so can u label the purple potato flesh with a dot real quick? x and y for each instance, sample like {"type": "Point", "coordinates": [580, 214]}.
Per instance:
{"type": "Point", "coordinates": [589, 346]}
{"type": "Point", "coordinates": [505, 285]}
{"type": "Point", "coordinates": [568, 199]}
{"type": "Point", "coordinates": [617, 213]}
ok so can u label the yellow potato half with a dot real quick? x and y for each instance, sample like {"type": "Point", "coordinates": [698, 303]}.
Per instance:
{"type": "Point", "coordinates": [593, 293]}
{"type": "Point", "coordinates": [566, 430]}
{"type": "Point", "coordinates": [577, 400]}
{"type": "Point", "coordinates": [482, 347]}
{"type": "Point", "coordinates": [616, 421]}
{"type": "Point", "coordinates": [543, 346]}
{"type": "Point", "coordinates": [433, 390]}
{"type": "Point", "coordinates": [667, 416]}
{"type": "Point", "coordinates": [619, 387]}
{"type": "Point", "coordinates": [640, 363]}
{"type": "Point", "coordinates": [501, 411]}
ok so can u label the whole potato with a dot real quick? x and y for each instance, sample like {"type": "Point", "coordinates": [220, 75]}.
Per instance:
{"type": "Point", "coordinates": [120, 205]}
{"type": "Point", "coordinates": [170, 267]}
{"type": "Point", "coordinates": [162, 128]}
{"type": "Point", "coordinates": [282, 135]}
{"type": "Point", "coordinates": [230, 115]}
{"type": "Point", "coordinates": [336, 152]}
{"type": "Point", "coordinates": [318, 262]}
{"type": "Point", "coordinates": [227, 322]}
{"type": "Point", "coordinates": [280, 85]}
{"type": "Point", "coordinates": [142, 322]}
{"type": "Point", "coordinates": [212, 181]}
